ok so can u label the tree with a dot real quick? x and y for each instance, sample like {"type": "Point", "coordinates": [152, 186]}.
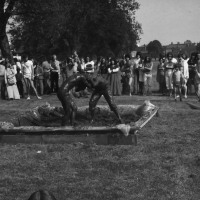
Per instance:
{"type": "Point", "coordinates": [155, 48]}
{"type": "Point", "coordinates": [6, 8]}
{"type": "Point", "coordinates": [89, 26]}
{"type": "Point", "coordinates": [198, 47]}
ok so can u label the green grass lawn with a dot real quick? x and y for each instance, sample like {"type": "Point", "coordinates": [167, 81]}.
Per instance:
{"type": "Point", "coordinates": [164, 165]}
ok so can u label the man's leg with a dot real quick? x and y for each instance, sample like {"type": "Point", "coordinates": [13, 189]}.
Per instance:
{"type": "Point", "coordinates": [52, 81]}
{"type": "Point", "coordinates": [130, 85]}
{"type": "Point", "coordinates": [145, 84]}
{"type": "Point", "coordinates": [73, 111]}
{"type": "Point", "coordinates": [149, 79]}
{"type": "Point", "coordinates": [65, 99]}
{"type": "Point", "coordinates": [175, 96]}
{"type": "Point", "coordinates": [112, 104]}
{"type": "Point", "coordinates": [180, 92]}
{"type": "Point", "coordinates": [197, 90]}
{"type": "Point", "coordinates": [92, 103]}
{"type": "Point", "coordinates": [41, 83]}
{"type": "Point", "coordinates": [56, 81]}
{"type": "Point", "coordinates": [27, 83]}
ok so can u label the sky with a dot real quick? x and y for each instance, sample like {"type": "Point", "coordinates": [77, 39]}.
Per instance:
{"type": "Point", "coordinates": [169, 21]}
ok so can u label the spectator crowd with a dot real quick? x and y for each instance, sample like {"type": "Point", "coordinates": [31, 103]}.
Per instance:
{"type": "Point", "coordinates": [126, 76]}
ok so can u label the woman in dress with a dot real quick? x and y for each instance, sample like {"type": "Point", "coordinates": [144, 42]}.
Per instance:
{"type": "Point", "coordinates": [103, 68]}
{"type": "Point", "coordinates": [114, 78]}
{"type": "Point", "coordinates": [10, 81]}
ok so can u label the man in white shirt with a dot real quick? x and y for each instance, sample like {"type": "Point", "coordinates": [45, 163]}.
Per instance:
{"type": "Point", "coordinates": [28, 73]}
{"type": "Point", "coordinates": [89, 66]}
{"type": "Point", "coordinates": [185, 72]}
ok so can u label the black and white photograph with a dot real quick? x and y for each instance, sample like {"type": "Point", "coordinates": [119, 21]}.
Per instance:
{"type": "Point", "coordinates": [99, 100]}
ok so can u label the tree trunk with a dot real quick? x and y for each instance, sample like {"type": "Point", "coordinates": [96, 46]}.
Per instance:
{"type": "Point", "coordinates": [5, 47]}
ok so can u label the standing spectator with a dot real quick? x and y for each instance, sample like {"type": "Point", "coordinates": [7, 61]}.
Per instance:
{"type": "Point", "coordinates": [82, 65]}
{"type": "Point", "coordinates": [197, 77]}
{"type": "Point", "coordinates": [160, 77]}
{"type": "Point", "coordinates": [169, 67]}
{"type": "Point", "coordinates": [2, 79]}
{"type": "Point", "coordinates": [114, 78]}
{"type": "Point", "coordinates": [40, 77]}
{"type": "Point", "coordinates": [177, 78]}
{"type": "Point", "coordinates": [103, 68]}
{"type": "Point", "coordinates": [148, 66]}
{"type": "Point", "coordinates": [46, 70]}
{"type": "Point", "coordinates": [15, 65]}
{"type": "Point", "coordinates": [10, 81]}
{"type": "Point", "coordinates": [137, 61]}
{"type": "Point", "coordinates": [141, 77]}
{"type": "Point", "coordinates": [19, 78]}
{"type": "Point", "coordinates": [63, 67]}
{"type": "Point", "coordinates": [18, 63]}
{"type": "Point", "coordinates": [192, 63]}
{"type": "Point", "coordinates": [127, 73]}
{"type": "Point", "coordinates": [28, 73]}
{"type": "Point", "coordinates": [89, 66]}
{"type": "Point", "coordinates": [76, 63]}
{"type": "Point", "coordinates": [55, 73]}
{"type": "Point", "coordinates": [75, 56]}
{"type": "Point", "coordinates": [185, 72]}
{"type": "Point", "coordinates": [70, 68]}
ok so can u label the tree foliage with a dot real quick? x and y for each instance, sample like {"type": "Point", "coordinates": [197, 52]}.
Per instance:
{"type": "Point", "coordinates": [92, 27]}
{"type": "Point", "coordinates": [198, 47]}
{"type": "Point", "coordinates": [6, 8]}
{"type": "Point", "coordinates": [155, 48]}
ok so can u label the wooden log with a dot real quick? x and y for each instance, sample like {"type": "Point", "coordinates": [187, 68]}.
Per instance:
{"type": "Point", "coordinates": [67, 130]}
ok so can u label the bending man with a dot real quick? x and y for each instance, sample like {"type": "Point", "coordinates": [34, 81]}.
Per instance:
{"type": "Point", "coordinates": [80, 81]}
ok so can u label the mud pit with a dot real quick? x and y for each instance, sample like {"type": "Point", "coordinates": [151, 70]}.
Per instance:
{"type": "Point", "coordinates": [48, 116]}
{"type": "Point", "coordinates": [105, 117]}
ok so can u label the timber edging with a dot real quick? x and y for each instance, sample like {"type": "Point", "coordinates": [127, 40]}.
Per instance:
{"type": "Point", "coordinates": [69, 134]}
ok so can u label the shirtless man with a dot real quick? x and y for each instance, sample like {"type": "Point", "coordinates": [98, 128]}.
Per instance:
{"type": "Point", "coordinates": [80, 81]}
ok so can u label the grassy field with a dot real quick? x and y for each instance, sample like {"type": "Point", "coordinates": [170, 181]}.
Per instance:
{"type": "Point", "coordinates": [164, 165]}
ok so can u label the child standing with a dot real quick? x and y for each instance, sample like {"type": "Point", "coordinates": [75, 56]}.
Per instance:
{"type": "Point", "coordinates": [177, 78]}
